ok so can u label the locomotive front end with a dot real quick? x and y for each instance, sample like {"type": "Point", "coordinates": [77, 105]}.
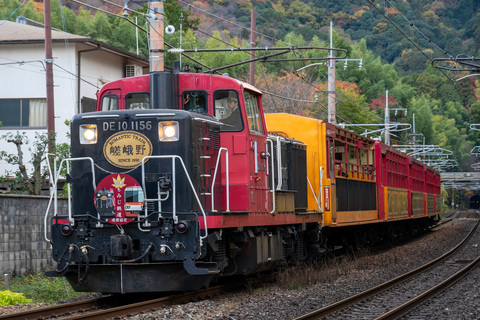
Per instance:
{"type": "Point", "coordinates": [136, 222]}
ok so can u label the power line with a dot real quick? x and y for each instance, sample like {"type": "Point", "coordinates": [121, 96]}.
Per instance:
{"type": "Point", "coordinates": [418, 30]}
{"type": "Point", "coordinates": [404, 35]}
{"type": "Point", "coordinates": [226, 20]}
{"type": "Point", "coordinates": [14, 12]}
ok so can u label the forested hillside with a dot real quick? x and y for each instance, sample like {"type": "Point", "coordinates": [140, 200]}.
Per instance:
{"type": "Point", "coordinates": [395, 40]}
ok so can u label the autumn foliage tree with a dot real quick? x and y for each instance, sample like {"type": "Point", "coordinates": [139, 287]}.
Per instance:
{"type": "Point", "coordinates": [287, 93]}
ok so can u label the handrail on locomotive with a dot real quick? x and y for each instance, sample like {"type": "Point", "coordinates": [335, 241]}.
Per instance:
{"type": "Point", "coordinates": [54, 195]}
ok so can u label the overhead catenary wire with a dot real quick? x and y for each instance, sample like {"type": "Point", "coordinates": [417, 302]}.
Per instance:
{"type": "Point", "coordinates": [243, 27]}
{"type": "Point", "coordinates": [418, 30]}
{"type": "Point", "coordinates": [196, 61]}
{"type": "Point", "coordinates": [404, 35]}
{"type": "Point", "coordinates": [143, 29]}
{"type": "Point", "coordinates": [226, 20]}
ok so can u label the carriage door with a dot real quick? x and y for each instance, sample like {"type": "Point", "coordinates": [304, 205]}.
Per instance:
{"type": "Point", "coordinates": [259, 192]}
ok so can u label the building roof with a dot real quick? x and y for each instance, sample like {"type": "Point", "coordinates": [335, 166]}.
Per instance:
{"type": "Point", "coordinates": [21, 33]}
{"type": "Point", "coordinates": [12, 32]}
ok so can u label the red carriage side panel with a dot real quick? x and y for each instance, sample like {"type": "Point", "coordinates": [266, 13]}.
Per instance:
{"type": "Point", "coordinates": [417, 188]}
{"type": "Point", "coordinates": [394, 183]}
{"type": "Point", "coordinates": [379, 168]}
{"type": "Point", "coordinates": [430, 190]}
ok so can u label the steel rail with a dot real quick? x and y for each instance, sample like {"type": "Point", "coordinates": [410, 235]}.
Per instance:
{"type": "Point", "coordinates": [80, 309]}
{"type": "Point", "coordinates": [340, 305]}
{"type": "Point", "coordinates": [57, 310]}
{"type": "Point", "coordinates": [409, 305]}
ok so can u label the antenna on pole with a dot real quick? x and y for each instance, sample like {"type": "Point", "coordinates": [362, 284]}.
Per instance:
{"type": "Point", "coordinates": [387, 121]}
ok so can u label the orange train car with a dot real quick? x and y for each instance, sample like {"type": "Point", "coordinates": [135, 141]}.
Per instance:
{"type": "Point", "coordinates": [357, 181]}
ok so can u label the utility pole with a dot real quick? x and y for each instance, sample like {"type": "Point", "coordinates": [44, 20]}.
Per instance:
{"type": "Point", "coordinates": [156, 14]}
{"type": "Point", "coordinates": [387, 122]}
{"type": "Point", "coordinates": [253, 24]}
{"type": "Point", "coordinates": [49, 75]}
{"type": "Point", "coordinates": [331, 81]}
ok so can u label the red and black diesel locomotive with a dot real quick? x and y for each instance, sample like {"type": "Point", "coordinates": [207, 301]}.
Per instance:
{"type": "Point", "coordinates": [176, 181]}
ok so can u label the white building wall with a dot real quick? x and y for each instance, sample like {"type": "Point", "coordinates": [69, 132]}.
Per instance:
{"type": "Point", "coordinates": [27, 80]}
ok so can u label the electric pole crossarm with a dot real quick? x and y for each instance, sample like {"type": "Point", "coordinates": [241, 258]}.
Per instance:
{"type": "Point", "coordinates": [472, 63]}
{"type": "Point", "coordinates": [266, 49]}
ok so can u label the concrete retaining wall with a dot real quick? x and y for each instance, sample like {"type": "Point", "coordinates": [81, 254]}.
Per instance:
{"type": "Point", "coordinates": [22, 243]}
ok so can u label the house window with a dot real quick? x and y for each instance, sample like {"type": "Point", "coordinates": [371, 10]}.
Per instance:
{"type": "Point", "coordinates": [23, 113]}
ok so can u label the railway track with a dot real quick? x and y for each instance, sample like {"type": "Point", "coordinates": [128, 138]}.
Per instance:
{"type": "Point", "coordinates": [116, 306]}
{"type": "Point", "coordinates": [107, 307]}
{"type": "Point", "coordinates": [399, 295]}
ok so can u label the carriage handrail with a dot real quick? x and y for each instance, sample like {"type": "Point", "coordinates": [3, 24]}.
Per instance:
{"type": "Point", "coordinates": [270, 142]}
{"type": "Point", "coordinates": [227, 178]}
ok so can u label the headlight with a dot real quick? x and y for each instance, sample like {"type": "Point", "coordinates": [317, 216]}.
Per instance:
{"type": "Point", "coordinates": [168, 131]}
{"type": "Point", "coordinates": [88, 134]}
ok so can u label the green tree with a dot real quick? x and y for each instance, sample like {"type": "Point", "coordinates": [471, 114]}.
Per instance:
{"type": "Point", "coordinates": [422, 108]}
{"type": "Point", "coordinates": [84, 23]}
{"type": "Point", "coordinates": [22, 179]}
{"type": "Point", "coordinates": [102, 28]}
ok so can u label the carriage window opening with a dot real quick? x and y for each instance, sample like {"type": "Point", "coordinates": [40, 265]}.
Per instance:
{"type": "Point", "coordinates": [137, 100]}
{"type": "Point", "coordinates": [110, 102]}
{"type": "Point", "coordinates": [253, 112]}
{"type": "Point", "coordinates": [340, 160]}
{"type": "Point", "coordinates": [195, 101]}
{"type": "Point", "coordinates": [227, 110]}
{"type": "Point", "coordinates": [352, 154]}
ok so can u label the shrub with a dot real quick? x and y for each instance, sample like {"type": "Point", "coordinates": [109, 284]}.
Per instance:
{"type": "Point", "coordinates": [8, 298]}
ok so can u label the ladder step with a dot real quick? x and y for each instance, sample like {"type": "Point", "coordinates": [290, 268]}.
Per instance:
{"type": "Point", "coordinates": [205, 194]}
{"type": "Point", "coordinates": [205, 175]}
{"type": "Point", "coordinates": [205, 157]}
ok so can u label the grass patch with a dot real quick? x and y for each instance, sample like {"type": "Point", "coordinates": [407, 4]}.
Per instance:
{"type": "Point", "coordinates": [41, 289]}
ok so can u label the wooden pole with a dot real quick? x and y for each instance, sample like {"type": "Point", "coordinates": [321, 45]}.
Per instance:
{"type": "Point", "coordinates": [49, 74]}
{"type": "Point", "coordinates": [157, 42]}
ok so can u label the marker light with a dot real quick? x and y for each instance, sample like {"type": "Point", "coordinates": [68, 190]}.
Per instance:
{"type": "Point", "coordinates": [88, 134]}
{"type": "Point", "coordinates": [168, 131]}
{"type": "Point", "coordinates": [66, 230]}
{"type": "Point", "coordinates": [182, 227]}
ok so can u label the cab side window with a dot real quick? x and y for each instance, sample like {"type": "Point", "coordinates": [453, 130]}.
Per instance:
{"type": "Point", "coordinates": [195, 101]}
{"type": "Point", "coordinates": [110, 102]}
{"type": "Point", "coordinates": [253, 112]}
{"type": "Point", "coordinates": [137, 100]}
{"type": "Point", "coordinates": [227, 110]}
